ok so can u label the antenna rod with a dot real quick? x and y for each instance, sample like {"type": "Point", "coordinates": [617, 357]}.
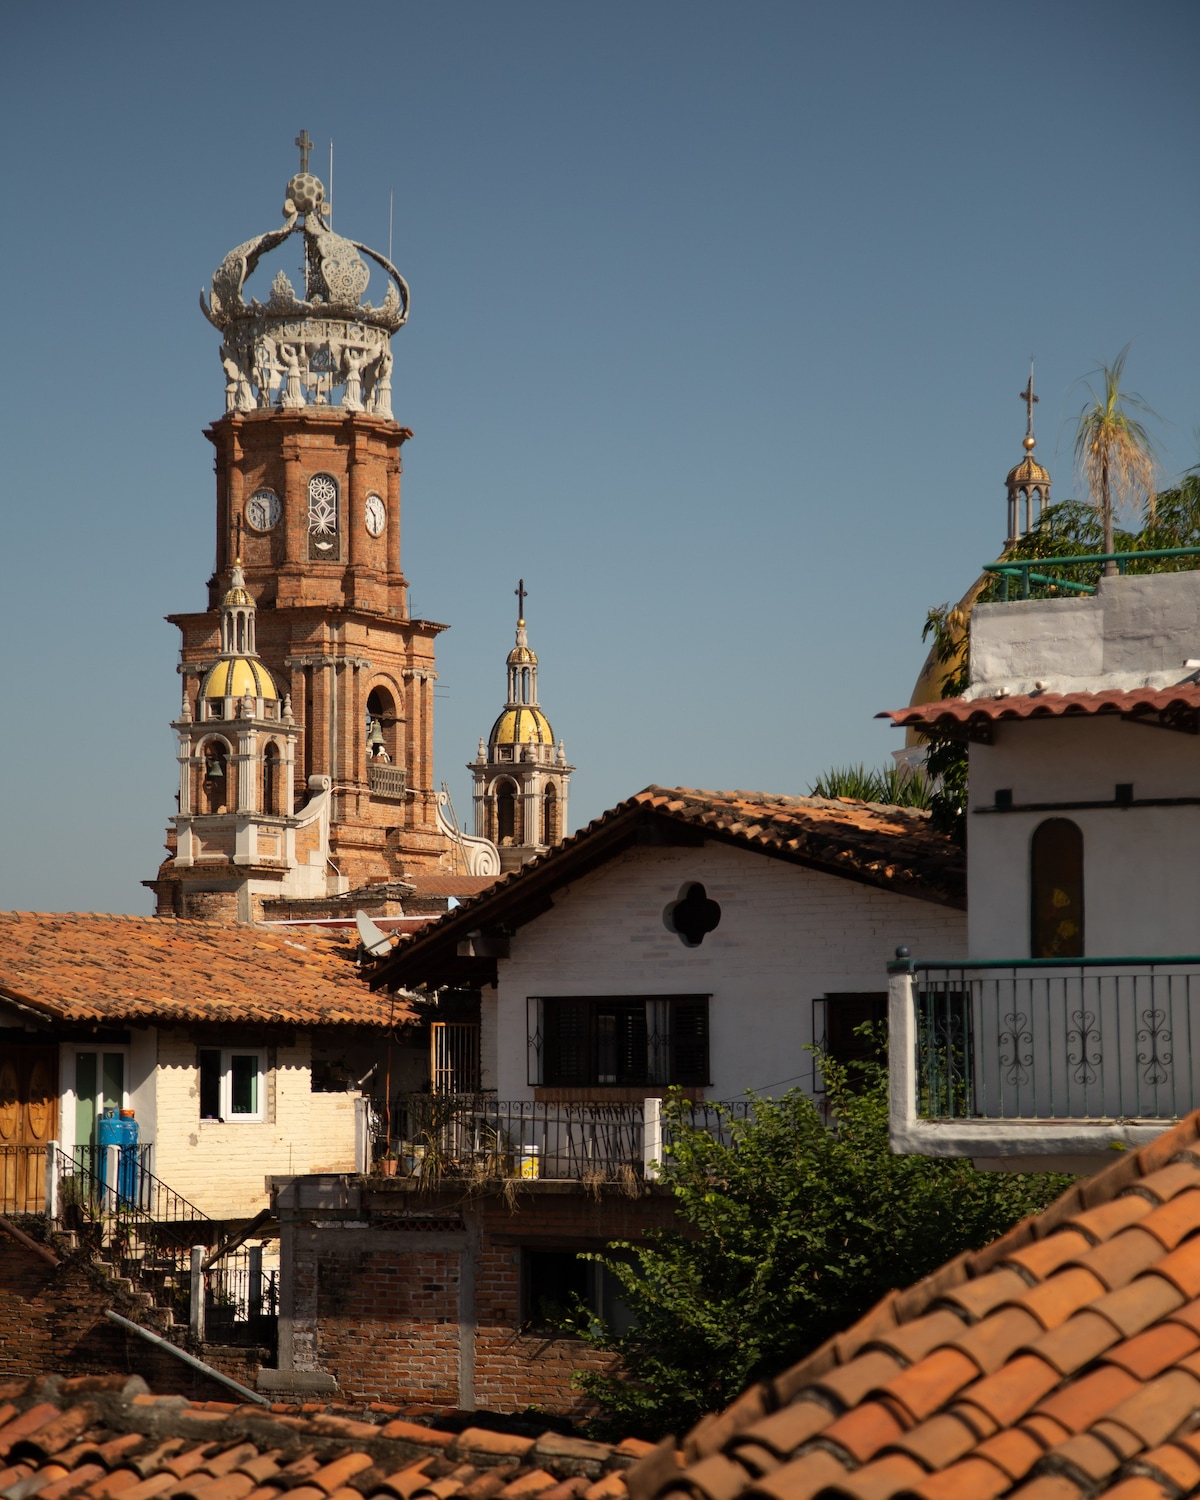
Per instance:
{"type": "Point", "coordinates": [391, 206]}
{"type": "Point", "coordinates": [331, 184]}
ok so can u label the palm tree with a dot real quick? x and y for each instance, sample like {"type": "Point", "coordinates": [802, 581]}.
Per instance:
{"type": "Point", "coordinates": [1113, 451]}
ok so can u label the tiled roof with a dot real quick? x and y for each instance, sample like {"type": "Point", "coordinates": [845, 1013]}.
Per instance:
{"type": "Point", "coordinates": [955, 713]}
{"type": "Point", "coordinates": [74, 967]}
{"type": "Point", "coordinates": [892, 848]}
{"type": "Point", "coordinates": [1060, 1362]}
{"type": "Point", "coordinates": [435, 884]}
{"type": "Point", "coordinates": [101, 1437]}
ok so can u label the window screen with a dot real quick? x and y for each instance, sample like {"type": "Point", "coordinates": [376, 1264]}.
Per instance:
{"type": "Point", "coordinates": [627, 1041]}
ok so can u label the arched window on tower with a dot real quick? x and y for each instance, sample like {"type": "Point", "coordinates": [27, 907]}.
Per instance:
{"type": "Point", "coordinates": [1056, 890]}
{"type": "Point", "coordinates": [215, 792]}
{"type": "Point", "coordinates": [508, 814]}
{"type": "Point", "coordinates": [383, 742]}
{"type": "Point", "coordinates": [551, 834]}
{"type": "Point", "coordinates": [272, 798]}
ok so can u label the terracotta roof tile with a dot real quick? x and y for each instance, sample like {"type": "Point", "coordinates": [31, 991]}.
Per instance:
{"type": "Point", "coordinates": [992, 1342]}
{"type": "Point", "coordinates": [862, 1432]}
{"type": "Point", "coordinates": [801, 1479]}
{"type": "Point", "coordinates": [1173, 1463]}
{"type": "Point", "coordinates": [1052, 1391]}
{"type": "Point", "coordinates": [77, 967]}
{"type": "Point", "coordinates": [783, 1431]}
{"type": "Point", "coordinates": [972, 1479]}
{"type": "Point", "coordinates": [924, 1387]}
{"type": "Point", "coordinates": [957, 713]}
{"type": "Point", "coordinates": [1103, 1222]}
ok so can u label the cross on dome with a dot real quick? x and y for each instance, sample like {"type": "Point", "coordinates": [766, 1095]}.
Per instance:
{"type": "Point", "coordinates": [306, 146]}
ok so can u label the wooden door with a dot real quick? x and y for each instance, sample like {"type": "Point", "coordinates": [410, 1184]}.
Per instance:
{"type": "Point", "coordinates": [28, 1120]}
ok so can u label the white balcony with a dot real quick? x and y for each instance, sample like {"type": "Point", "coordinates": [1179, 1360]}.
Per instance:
{"type": "Point", "coordinates": [1036, 1058]}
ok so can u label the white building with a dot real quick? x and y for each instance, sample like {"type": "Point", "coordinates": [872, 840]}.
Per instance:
{"type": "Point", "coordinates": [702, 939]}
{"type": "Point", "coordinates": [1070, 1030]}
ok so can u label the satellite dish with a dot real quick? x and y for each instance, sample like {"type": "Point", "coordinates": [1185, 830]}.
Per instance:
{"type": "Point", "coordinates": [373, 938]}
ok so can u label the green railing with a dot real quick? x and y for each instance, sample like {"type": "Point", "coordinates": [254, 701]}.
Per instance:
{"type": "Point", "coordinates": [1029, 573]}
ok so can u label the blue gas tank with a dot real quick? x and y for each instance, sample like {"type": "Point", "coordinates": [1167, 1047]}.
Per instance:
{"type": "Point", "coordinates": [120, 1130]}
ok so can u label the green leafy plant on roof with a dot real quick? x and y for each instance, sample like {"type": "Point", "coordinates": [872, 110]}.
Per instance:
{"type": "Point", "coordinates": [886, 784]}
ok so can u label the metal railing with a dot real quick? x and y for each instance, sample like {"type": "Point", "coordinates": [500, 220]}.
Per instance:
{"type": "Point", "coordinates": [126, 1170]}
{"type": "Point", "coordinates": [241, 1299]}
{"type": "Point", "coordinates": [478, 1135]}
{"type": "Point", "coordinates": [1034, 580]}
{"type": "Point", "coordinates": [1057, 1039]}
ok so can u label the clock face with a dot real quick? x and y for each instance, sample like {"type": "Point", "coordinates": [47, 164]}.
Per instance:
{"type": "Point", "coordinates": [376, 515]}
{"type": "Point", "coordinates": [263, 510]}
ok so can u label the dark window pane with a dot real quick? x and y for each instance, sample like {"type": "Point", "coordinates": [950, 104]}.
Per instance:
{"type": "Point", "coordinates": [1056, 890]}
{"type": "Point", "coordinates": [844, 1014]}
{"type": "Point", "coordinates": [689, 1042]}
{"type": "Point", "coordinates": [568, 1043]}
{"type": "Point", "coordinates": [243, 1083]}
{"type": "Point", "coordinates": [210, 1083]}
{"type": "Point", "coordinates": [552, 1281]}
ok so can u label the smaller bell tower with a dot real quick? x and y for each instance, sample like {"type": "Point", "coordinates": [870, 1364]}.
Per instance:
{"type": "Point", "coordinates": [236, 835]}
{"type": "Point", "coordinates": [521, 779]}
{"type": "Point", "coordinates": [1028, 484]}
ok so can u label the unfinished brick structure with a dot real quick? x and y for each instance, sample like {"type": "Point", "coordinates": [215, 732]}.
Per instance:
{"type": "Point", "coordinates": [412, 1294]}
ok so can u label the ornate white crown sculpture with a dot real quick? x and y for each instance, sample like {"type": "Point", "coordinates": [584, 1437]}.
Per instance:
{"type": "Point", "coordinates": [289, 352]}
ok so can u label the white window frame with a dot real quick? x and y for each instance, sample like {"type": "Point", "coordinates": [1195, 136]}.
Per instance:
{"type": "Point", "coordinates": [227, 1116]}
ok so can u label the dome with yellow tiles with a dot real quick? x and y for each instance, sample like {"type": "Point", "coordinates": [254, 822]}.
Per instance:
{"type": "Point", "coordinates": [521, 725]}
{"type": "Point", "coordinates": [522, 656]}
{"type": "Point", "coordinates": [235, 676]}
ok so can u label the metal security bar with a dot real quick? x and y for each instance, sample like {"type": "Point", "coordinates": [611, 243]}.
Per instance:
{"type": "Point", "coordinates": [1057, 1039]}
{"type": "Point", "coordinates": [241, 1299]}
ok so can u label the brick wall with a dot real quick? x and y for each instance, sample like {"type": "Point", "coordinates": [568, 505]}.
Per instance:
{"type": "Point", "coordinates": [223, 1167]}
{"type": "Point", "coordinates": [52, 1320]}
{"type": "Point", "coordinates": [433, 1315]}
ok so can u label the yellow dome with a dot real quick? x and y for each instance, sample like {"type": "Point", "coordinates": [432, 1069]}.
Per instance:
{"type": "Point", "coordinates": [234, 676]}
{"type": "Point", "coordinates": [522, 656]}
{"type": "Point", "coordinates": [522, 726]}
{"type": "Point", "coordinates": [237, 596]}
{"type": "Point", "coordinates": [1028, 471]}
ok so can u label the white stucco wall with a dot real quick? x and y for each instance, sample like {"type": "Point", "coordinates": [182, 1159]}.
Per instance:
{"type": "Point", "coordinates": [1141, 870]}
{"type": "Point", "coordinates": [787, 936]}
{"type": "Point", "coordinates": [1133, 632]}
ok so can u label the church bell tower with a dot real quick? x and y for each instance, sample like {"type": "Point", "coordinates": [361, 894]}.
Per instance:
{"type": "Point", "coordinates": [520, 778]}
{"type": "Point", "coordinates": [308, 466]}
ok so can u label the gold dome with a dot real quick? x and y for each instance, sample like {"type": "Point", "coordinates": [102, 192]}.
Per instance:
{"type": "Point", "coordinates": [234, 676]}
{"type": "Point", "coordinates": [238, 596]}
{"type": "Point", "coordinates": [522, 656]}
{"type": "Point", "coordinates": [522, 726]}
{"type": "Point", "coordinates": [1028, 471]}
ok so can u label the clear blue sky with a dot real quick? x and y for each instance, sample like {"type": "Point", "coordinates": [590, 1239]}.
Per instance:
{"type": "Point", "coordinates": [720, 312]}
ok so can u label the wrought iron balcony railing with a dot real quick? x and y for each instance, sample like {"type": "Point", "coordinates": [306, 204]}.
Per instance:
{"type": "Point", "coordinates": [1045, 1042]}
{"type": "Point", "coordinates": [477, 1135]}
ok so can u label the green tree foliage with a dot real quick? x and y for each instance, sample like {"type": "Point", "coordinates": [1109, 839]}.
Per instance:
{"type": "Point", "coordinates": [793, 1231]}
{"type": "Point", "coordinates": [873, 784]}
